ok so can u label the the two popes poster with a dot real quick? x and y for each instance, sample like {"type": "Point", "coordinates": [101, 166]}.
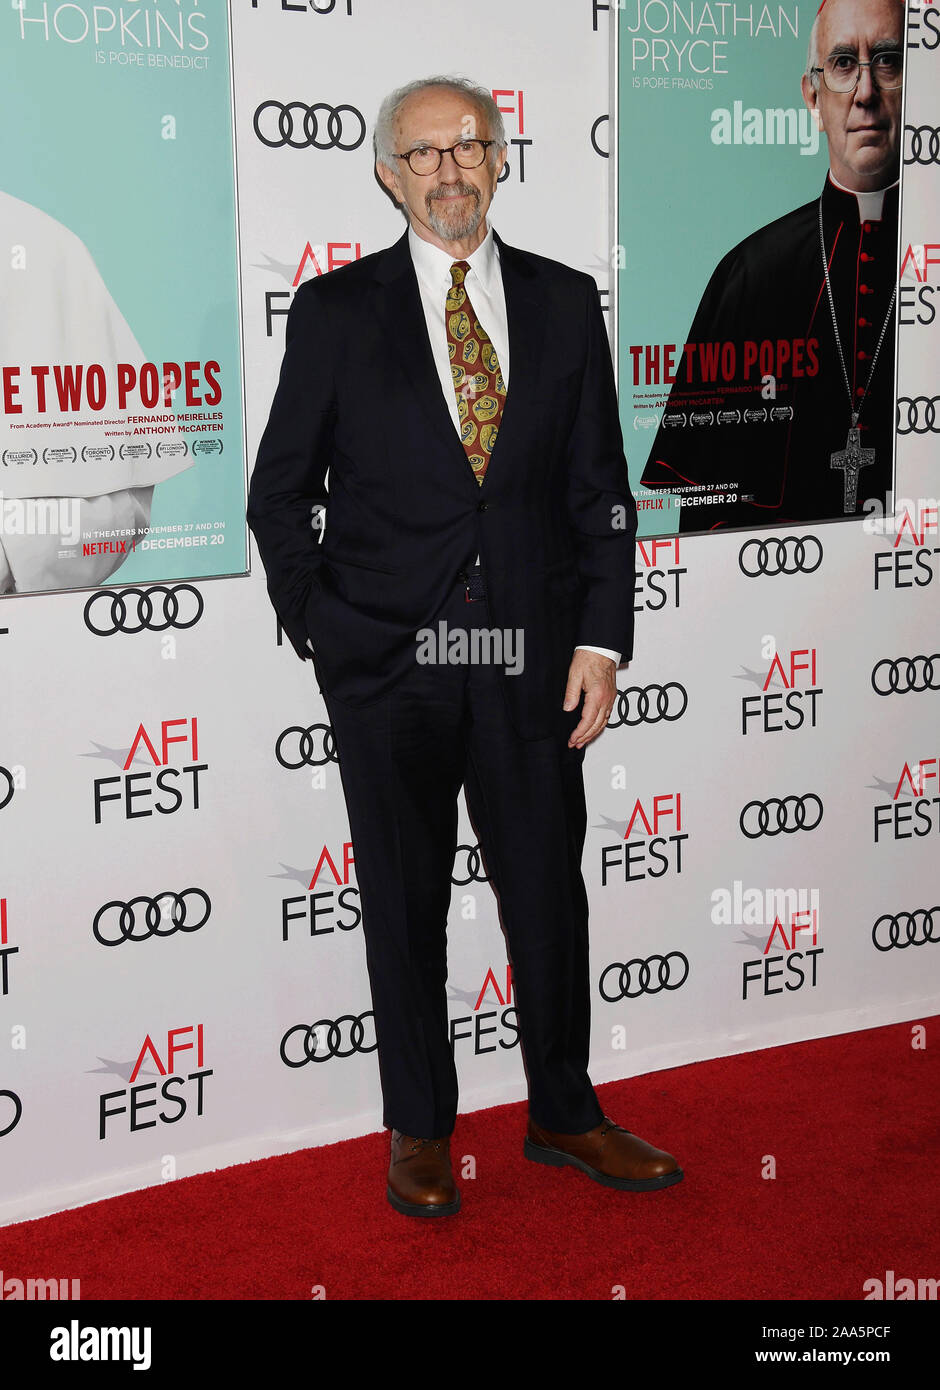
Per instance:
{"type": "Point", "coordinates": [121, 430]}
{"type": "Point", "coordinates": [758, 164]}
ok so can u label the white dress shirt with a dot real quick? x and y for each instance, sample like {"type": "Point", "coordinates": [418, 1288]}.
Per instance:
{"type": "Point", "coordinates": [484, 285]}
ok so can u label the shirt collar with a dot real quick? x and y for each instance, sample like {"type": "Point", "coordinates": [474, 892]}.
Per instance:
{"type": "Point", "coordinates": [870, 205]}
{"type": "Point", "coordinates": [433, 265]}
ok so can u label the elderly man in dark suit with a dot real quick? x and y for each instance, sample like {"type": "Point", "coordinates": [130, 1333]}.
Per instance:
{"type": "Point", "coordinates": [466, 613]}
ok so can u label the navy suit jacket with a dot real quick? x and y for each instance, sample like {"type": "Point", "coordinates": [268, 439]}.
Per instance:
{"type": "Point", "coordinates": [359, 425]}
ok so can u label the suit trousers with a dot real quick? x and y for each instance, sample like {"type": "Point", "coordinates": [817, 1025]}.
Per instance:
{"type": "Point", "coordinates": [402, 761]}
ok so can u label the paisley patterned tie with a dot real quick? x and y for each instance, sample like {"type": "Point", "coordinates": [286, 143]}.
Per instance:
{"type": "Point", "coordinates": [474, 366]}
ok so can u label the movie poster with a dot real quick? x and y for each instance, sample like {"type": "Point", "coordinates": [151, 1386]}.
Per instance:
{"type": "Point", "coordinates": [757, 209]}
{"type": "Point", "coordinates": [121, 436]}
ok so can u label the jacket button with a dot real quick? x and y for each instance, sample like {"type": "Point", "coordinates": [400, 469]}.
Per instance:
{"type": "Point", "coordinates": [482, 506]}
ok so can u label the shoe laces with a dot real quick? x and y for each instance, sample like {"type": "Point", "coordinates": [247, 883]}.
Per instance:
{"type": "Point", "coordinates": [417, 1144]}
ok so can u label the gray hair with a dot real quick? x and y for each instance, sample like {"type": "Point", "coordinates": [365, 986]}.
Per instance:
{"type": "Point", "coordinates": [384, 138]}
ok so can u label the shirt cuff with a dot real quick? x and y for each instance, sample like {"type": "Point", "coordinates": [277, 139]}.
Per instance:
{"type": "Point", "coordinates": [602, 651]}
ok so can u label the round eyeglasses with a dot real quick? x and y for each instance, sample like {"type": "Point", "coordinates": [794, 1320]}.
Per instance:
{"type": "Point", "coordinates": [426, 159]}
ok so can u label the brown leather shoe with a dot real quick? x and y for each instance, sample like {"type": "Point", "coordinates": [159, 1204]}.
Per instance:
{"type": "Point", "coordinates": [608, 1154]}
{"type": "Point", "coordinates": [420, 1180]}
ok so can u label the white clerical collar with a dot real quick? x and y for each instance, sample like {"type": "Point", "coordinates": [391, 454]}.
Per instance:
{"type": "Point", "coordinates": [869, 204]}
{"type": "Point", "coordinates": [434, 264]}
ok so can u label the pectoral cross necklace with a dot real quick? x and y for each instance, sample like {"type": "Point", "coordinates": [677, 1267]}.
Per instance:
{"type": "Point", "coordinates": [853, 457]}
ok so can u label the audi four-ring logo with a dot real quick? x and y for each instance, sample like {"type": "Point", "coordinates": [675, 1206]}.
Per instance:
{"type": "Point", "coordinates": [315, 746]}
{"type": "Point", "coordinates": [918, 415]}
{"type": "Point", "coordinates": [786, 555]}
{"type": "Point", "coordinates": [108, 612]}
{"type": "Point", "coordinates": [906, 675]}
{"type": "Point", "coordinates": [319, 126]}
{"type": "Point", "coordinates": [6, 787]}
{"type": "Point", "coordinates": [785, 815]}
{"type": "Point", "coordinates": [916, 928]}
{"type": "Point", "coordinates": [472, 866]}
{"type": "Point", "coordinates": [327, 1038]}
{"type": "Point", "coordinates": [635, 977]}
{"type": "Point", "coordinates": [921, 144]}
{"type": "Point", "coordinates": [648, 705]}
{"type": "Point", "coordinates": [160, 916]}
{"type": "Point", "coordinates": [17, 1111]}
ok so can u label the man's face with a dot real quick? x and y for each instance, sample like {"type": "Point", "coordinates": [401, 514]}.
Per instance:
{"type": "Point", "coordinates": [863, 127]}
{"type": "Point", "coordinates": [449, 207]}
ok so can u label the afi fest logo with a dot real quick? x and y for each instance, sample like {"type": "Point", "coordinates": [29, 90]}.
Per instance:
{"type": "Point", "coordinates": [788, 950]}
{"type": "Point", "coordinates": [512, 106]}
{"type": "Point", "coordinates": [658, 573]}
{"type": "Point", "coordinates": [914, 808]}
{"type": "Point", "coordinates": [920, 264]}
{"type": "Point", "coordinates": [182, 1089]}
{"type": "Point", "coordinates": [138, 793]}
{"type": "Point", "coordinates": [315, 259]}
{"type": "Point", "coordinates": [923, 25]}
{"type": "Point", "coordinates": [488, 1030]}
{"type": "Point", "coordinates": [344, 7]}
{"type": "Point", "coordinates": [651, 840]}
{"type": "Point", "coordinates": [914, 565]}
{"type": "Point", "coordinates": [792, 706]}
{"type": "Point", "coordinates": [6, 950]}
{"type": "Point", "coordinates": [331, 900]}
{"type": "Point", "coordinates": [793, 963]}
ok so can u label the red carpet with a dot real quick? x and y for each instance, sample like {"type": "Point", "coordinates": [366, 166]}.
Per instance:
{"type": "Point", "coordinates": [852, 1124]}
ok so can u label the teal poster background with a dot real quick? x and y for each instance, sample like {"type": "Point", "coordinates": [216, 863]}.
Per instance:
{"type": "Point", "coordinates": [687, 74]}
{"type": "Point", "coordinates": [125, 137]}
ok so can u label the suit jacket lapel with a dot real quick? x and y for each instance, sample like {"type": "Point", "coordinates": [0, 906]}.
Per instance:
{"type": "Point", "coordinates": [403, 320]}
{"type": "Point", "coordinates": [405, 328]}
{"type": "Point", "coordinates": [526, 349]}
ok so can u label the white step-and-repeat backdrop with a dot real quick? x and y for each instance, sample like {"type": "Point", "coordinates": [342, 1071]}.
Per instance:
{"type": "Point", "coordinates": [183, 975]}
